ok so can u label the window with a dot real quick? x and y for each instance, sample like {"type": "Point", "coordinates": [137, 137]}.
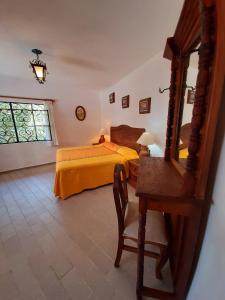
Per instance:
{"type": "Point", "coordinates": [23, 122]}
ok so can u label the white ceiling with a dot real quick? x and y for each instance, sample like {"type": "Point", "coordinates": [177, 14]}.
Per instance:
{"type": "Point", "coordinates": [95, 42]}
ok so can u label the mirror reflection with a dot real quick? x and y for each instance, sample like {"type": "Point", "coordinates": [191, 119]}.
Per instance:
{"type": "Point", "coordinates": [189, 98]}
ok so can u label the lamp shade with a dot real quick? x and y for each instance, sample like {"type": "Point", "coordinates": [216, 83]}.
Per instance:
{"type": "Point", "coordinates": [146, 139]}
{"type": "Point", "coordinates": [40, 72]}
{"type": "Point", "coordinates": [39, 67]}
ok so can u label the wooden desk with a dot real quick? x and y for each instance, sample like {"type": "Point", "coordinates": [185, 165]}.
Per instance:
{"type": "Point", "coordinates": [160, 187]}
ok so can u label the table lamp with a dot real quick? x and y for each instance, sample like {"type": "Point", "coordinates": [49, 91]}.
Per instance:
{"type": "Point", "coordinates": [144, 140]}
{"type": "Point", "coordinates": [101, 133]}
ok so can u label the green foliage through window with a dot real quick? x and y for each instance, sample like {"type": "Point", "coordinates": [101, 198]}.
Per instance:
{"type": "Point", "coordinates": [23, 122]}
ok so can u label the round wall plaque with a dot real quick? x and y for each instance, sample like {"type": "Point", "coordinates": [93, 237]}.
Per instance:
{"type": "Point", "coordinates": [80, 113]}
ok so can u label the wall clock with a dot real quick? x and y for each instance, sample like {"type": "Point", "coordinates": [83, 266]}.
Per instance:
{"type": "Point", "coordinates": [80, 113]}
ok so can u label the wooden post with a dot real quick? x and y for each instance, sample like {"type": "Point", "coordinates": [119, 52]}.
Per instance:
{"type": "Point", "coordinates": [170, 118]}
{"type": "Point", "coordinates": [202, 89]}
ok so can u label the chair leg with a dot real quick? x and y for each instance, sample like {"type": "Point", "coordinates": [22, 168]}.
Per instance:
{"type": "Point", "coordinates": [161, 262]}
{"type": "Point", "coordinates": [119, 251]}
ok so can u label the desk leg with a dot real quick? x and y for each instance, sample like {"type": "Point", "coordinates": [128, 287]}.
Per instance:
{"type": "Point", "coordinates": [141, 247]}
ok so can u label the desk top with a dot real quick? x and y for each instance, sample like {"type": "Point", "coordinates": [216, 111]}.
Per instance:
{"type": "Point", "coordinates": [158, 179]}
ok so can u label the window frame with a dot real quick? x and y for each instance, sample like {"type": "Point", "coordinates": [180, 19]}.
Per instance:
{"type": "Point", "coordinates": [11, 109]}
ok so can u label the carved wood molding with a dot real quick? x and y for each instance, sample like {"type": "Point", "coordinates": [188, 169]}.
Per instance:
{"type": "Point", "coordinates": [169, 133]}
{"type": "Point", "coordinates": [187, 30]}
{"type": "Point", "coordinates": [203, 84]}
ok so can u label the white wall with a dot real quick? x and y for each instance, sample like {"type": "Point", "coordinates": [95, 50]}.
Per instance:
{"type": "Point", "coordinates": [71, 132]}
{"type": "Point", "coordinates": [144, 82]}
{"type": "Point", "coordinates": [209, 279]}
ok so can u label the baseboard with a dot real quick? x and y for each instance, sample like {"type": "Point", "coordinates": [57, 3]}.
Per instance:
{"type": "Point", "coordinates": [20, 169]}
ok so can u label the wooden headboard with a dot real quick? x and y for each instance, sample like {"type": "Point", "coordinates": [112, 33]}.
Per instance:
{"type": "Point", "coordinates": [185, 132]}
{"type": "Point", "coordinates": [127, 136]}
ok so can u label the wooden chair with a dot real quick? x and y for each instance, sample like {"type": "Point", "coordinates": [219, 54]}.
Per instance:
{"type": "Point", "coordinates": [128, 214]}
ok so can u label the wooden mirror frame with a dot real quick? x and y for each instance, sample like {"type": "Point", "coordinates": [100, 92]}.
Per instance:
{"type": "Point", "coordinates": [200, 21]}
{"type": "Point", "coordinates": [196, 25]}
{"type": "Point", "coordinates": [184, 194]}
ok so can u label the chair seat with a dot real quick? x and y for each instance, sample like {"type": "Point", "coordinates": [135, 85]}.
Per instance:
{"type": "Point", "coordinates": [155, 225]}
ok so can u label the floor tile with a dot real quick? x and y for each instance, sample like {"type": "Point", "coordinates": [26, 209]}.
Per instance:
{"type": "Point", "coordinates": [63, 250]}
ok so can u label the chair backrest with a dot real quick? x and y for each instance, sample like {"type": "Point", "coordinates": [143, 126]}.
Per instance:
{"type": "Point", "coordinates": [120, 194]}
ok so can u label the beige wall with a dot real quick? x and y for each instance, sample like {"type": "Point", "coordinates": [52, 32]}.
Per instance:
{"type": "Point", "coordinates": [71, 132]}
{"type": "Point", "coordinates": [142, 83]}
{"type": "Point", "coordinates": [209, 279]}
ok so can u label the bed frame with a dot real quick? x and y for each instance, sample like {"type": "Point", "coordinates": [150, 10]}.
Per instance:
{"type": "Point", "coordinates": [127, 136]}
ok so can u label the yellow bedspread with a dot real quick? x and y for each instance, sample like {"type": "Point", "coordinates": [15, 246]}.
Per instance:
{"type": "Point", "coordinates": [81, 168]}
{"type": "Point", "coordinates": [183, 153]}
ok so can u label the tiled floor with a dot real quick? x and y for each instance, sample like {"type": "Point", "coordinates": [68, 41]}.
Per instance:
{"type": "Point", "coordinates": [61, 250]}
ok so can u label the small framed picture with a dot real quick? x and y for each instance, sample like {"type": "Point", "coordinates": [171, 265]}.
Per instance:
{"type": "Point", "coordinates": [125, 101]}
{"type": "Point", "coordinates": [145, 106]}
{"type": "Point", "coordinates": [112, 98]}
{"type": "Point", "coordinates": [80, 113]}
{"type": "Point", "coordinates": [191, 97]}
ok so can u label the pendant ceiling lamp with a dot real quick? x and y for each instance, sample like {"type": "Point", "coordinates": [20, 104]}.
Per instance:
{"type": "Point", "coordinates": [39, 67]}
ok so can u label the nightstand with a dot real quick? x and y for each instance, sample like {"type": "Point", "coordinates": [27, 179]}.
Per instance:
{"type": "Point", "coordinates": [133, 171]}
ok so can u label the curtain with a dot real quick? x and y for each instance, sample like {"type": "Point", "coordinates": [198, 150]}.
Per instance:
{"type": "Point", "coordinates": [50, 108]}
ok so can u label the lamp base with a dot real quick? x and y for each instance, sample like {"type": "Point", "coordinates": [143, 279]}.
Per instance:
{"type": "Point", "coordinates": [102, 139]}
{"type": "Point", "coordinates": [144, 151]}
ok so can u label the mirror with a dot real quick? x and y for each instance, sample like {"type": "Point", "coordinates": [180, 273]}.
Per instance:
{"type": "Point", "coordinates": [187, 107]}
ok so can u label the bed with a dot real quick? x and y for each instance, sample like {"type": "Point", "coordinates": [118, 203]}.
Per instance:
{"type": "Point", "coordinates": [185, 132]}
{"type": "Point", "coordinates": [81, 168]}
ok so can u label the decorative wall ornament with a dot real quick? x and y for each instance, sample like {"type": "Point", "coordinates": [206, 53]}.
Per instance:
{"type": "Point", "coordinates": [145, 106]}
{"type": "Point", "coordinates": [39, 67]}
{"type": "Point", "coordinates": [125, 101]}
{"type": "Point", "coordinates": [161, 91]}
{"type": "Point", "coordinates": [191, 97]}
{"type": "Point", "coordinates": [80, 113]}
{"type": "Point", "coordinates": [112, 98]}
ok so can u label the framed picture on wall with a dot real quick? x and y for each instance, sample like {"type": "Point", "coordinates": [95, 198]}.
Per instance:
{"type": "Point", "coordinates": [145, 106]}
{"type": "Point", "coordinates": [191, 97]}
{"type": "Point", "coordinates": [125, 101]}
{"type": "Point", "coordinates": [112, 98]}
